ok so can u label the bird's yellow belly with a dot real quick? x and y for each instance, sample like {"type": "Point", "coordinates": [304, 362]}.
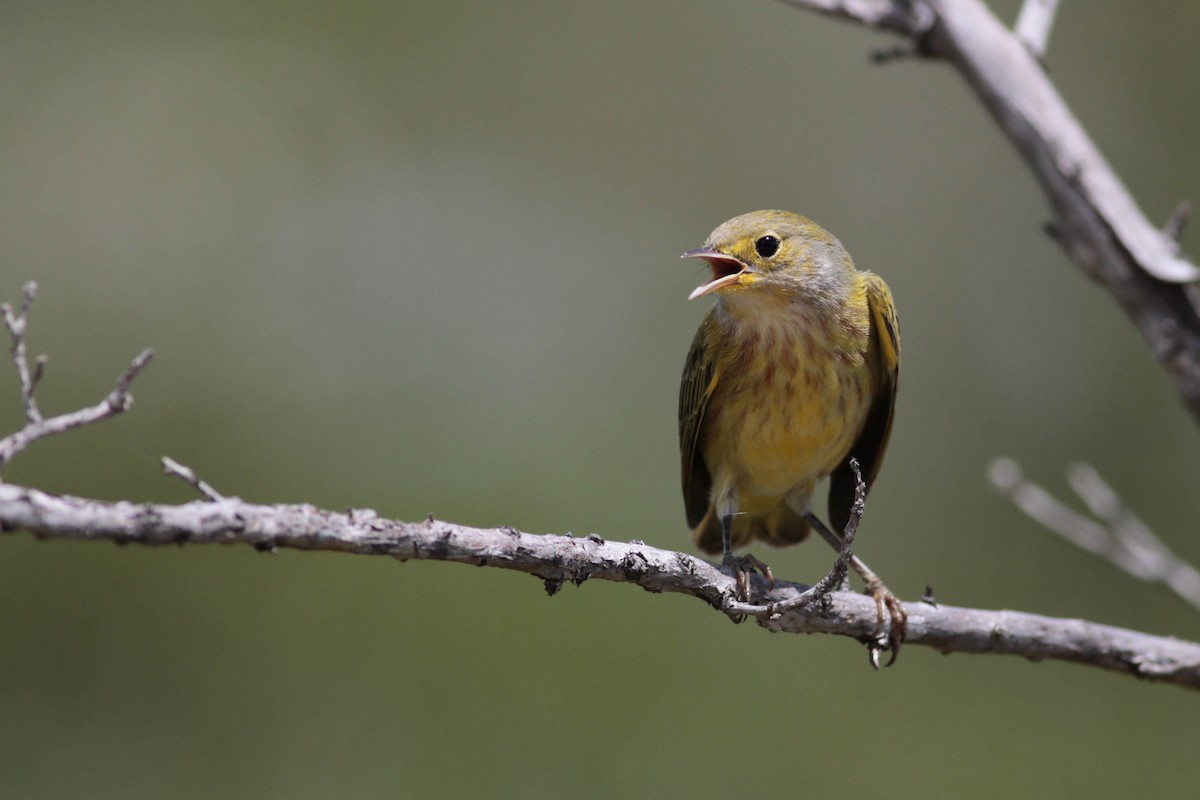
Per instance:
{"type": "Point", "coordinates": [781, 430]}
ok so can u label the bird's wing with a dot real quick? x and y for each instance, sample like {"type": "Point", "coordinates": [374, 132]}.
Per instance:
{"type": "Point", "coordinates": [699, 380]}
{"type": "Point", "coordinates": [869, 447]}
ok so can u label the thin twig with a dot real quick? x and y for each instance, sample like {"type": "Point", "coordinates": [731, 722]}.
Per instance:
{"type": "Point", "coordinates": [189, 476]}
{"type": "Point", "coordinates": [1173, 229]}
{"type": "Point", "coordinates": [837, 574]}
{"type": "Point", "coordinates": [1158, 560]}
{"type": "Point", "coordinates": [1116, 535]}
{"type": "Point", "coordinates": [1034, 24]}
{"type": "Point", "coordinates": [17, 323]}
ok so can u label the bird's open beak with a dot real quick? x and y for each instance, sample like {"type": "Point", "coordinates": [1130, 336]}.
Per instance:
{"type": "Point", "coordinates": [726, 270]}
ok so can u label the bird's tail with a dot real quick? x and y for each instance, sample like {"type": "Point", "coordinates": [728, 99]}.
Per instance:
{"type": "Point", "coordinates": [778, 527]}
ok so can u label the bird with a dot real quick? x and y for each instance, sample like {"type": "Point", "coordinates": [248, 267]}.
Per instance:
{"type": "Point", "coordinates": [791, 375]}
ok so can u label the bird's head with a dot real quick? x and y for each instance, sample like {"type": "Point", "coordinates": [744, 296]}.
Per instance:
{"type": "Point", "coordinates": [773, 250]}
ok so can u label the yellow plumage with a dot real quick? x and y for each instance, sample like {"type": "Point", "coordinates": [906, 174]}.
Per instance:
{"type": "Point", "coordinates": [792, 372]}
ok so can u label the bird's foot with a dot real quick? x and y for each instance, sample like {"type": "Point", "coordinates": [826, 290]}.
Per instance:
{"type": "Point", "coordinates": [891, 616]}
{"type": "Point", "coordinates": [742, 568]}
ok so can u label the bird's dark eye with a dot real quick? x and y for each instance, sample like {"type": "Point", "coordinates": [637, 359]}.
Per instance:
{"type": "Point", "coordinates": [766, 246]}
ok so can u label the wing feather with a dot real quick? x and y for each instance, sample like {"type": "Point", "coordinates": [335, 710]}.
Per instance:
{"type": "Point", "coordinates": [699, 380]}
{"type": "Point", "coordinates": [871, 443]}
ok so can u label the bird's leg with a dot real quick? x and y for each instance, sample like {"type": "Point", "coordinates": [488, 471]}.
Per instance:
{"type": "Point", "coordinates": [886, 603]}
{"type": "Point", "coordinates": [883, 598]}
{"type": "Point", "coordinates": [740, 576]}
{"type": "Point", "coordinates": [741, 566]}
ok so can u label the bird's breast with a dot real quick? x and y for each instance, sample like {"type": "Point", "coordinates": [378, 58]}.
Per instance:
{"type": "Point", "coordinates": [793, 392]}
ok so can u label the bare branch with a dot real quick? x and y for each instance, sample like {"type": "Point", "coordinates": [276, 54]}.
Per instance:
{"type": "Point", "coordinates": [1034, 24]}
{"type": "Point", "coordinates": [778, 606]}
{"type": "Point", "coordinates": [1099, 223]}
{"type": "Point", "coordinates": [556, 560]}
{"type": "Point", "coordinates": [1119, 537]}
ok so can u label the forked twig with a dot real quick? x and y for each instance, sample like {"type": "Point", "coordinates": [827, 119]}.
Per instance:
{"type": "Point", "coordinates": [36, 426]}
{"type": "Point", "coordinates": [837, 574]}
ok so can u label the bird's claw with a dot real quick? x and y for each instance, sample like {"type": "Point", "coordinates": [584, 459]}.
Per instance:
{"type": "Point", "coordinates": [742, 568]}
{"type": "Point", "coordinates": [892, 617]}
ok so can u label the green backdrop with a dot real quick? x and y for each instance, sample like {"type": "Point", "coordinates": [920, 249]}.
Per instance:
{"type": "Point", "coordinates": [422, 257]}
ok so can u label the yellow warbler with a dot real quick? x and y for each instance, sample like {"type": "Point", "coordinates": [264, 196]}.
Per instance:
{"type": "Point", "coordinates": [792, 373]}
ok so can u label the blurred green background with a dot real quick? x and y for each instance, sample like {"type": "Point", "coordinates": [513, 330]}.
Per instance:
{"type": "Point", "coordinates": [423, 257]}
